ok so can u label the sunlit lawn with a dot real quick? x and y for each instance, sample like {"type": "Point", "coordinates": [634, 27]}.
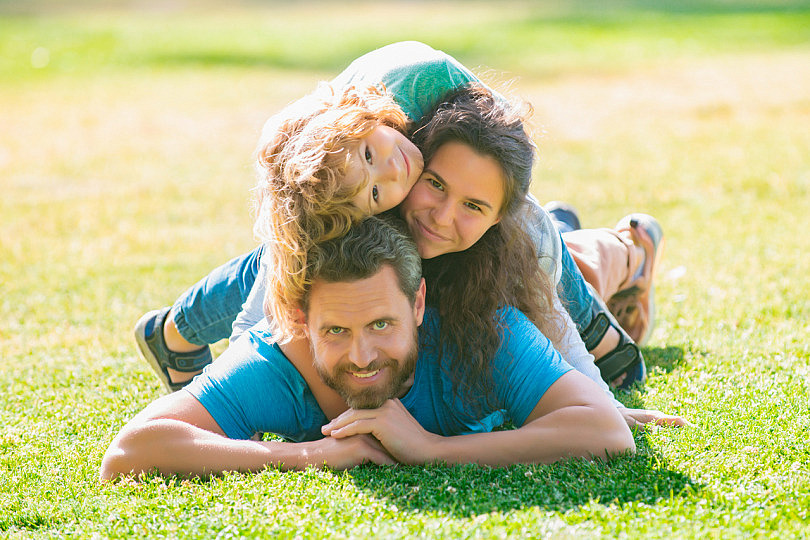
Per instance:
{"type": "Point", "coordinates": [125, 169]}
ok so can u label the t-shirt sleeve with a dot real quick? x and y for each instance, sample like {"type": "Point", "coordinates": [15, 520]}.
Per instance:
{"type": "Point", "coordinates": [253, 388]}
{"type": "Point", "coordinates": [525, 366]}
{"type": "Point", "coordinates": [546, 238]}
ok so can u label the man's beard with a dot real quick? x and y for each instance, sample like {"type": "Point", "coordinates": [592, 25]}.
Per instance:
{"type": "Point", "coordinates": [372, 396]}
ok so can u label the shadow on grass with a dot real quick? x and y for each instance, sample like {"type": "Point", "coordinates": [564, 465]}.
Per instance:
{"type": "Point", "coordinates": [666, 359]}
{"type": "Point", "coordinates": [470, 489]}
{"type": "Point", "coordinates": [466, 490]}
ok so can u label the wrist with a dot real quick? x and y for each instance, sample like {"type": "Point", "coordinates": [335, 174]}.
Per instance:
{"type": "Point", "coordinates": [288, 456]}
{"type": "Point", "coordinates": [438, 448]}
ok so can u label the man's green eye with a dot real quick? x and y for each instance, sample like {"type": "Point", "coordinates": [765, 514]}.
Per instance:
{"type": "Point", "coordinates": [380, 325]}
{"type": "Point", "coordinates": [335, 330]}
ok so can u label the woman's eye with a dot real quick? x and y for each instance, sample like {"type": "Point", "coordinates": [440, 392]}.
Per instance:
{"type": "Point", "coordinates": [375, 193]}
{"type": "Point", "coordinates": [368, 156]}
{"type": "Point", "coordinates": [381, 325]}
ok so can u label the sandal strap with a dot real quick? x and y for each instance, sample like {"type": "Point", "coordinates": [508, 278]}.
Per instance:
{"type": "Point", "coordinates": [625, 357]}
{"type": "Point", "coordinates": [184, 362]}
{"type": "Point", "coordinates": [620, 360]}
{"type": "Point", "coordinates": [189, 362]}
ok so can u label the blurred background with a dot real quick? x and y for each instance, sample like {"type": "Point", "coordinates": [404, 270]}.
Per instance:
{"type": "Point", "coordinates": [126, 137]}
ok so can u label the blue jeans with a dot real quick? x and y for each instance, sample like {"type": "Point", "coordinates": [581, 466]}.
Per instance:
{"type": "Point", "coordinates": [205, 313]}
{"type": "Point", "coordinates": [573, 291]}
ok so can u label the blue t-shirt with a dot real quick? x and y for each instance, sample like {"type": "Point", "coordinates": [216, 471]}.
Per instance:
{"type": "Point", "coordinates": [253, 388]}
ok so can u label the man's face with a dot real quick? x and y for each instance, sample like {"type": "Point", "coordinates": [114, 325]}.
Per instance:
{"type": "Point", "coordinates": [363, 337]}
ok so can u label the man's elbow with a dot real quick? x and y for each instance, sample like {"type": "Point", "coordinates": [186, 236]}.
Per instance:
{"type": "Point", "coordinates": [616, 438]}
{"type": "Point", "coordinates": [114, 464]}
{"type": "Point", "coordinates": [126, 455]}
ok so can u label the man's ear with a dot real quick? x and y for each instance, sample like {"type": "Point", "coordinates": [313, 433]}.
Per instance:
{"type": "Point", "coordinates": [419, 303]}
{"type": "Point", "coordinates": [301, 319]}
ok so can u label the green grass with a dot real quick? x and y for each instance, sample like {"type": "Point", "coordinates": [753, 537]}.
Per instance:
{"type": "Point", "coordinates": [125, 169]}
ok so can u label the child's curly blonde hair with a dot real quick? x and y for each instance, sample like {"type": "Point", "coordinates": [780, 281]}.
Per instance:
{"type": "Point", "coordinates": [301, 199]}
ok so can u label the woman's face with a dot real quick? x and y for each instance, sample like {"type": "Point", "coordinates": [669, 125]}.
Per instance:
{"type": "Point", "coordinates": [456, 200]}
{"type": "Point", "coordinates": [392, 164]}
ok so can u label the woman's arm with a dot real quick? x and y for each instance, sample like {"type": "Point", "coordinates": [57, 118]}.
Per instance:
{"type": "Point", "coordinates": [572, 349]}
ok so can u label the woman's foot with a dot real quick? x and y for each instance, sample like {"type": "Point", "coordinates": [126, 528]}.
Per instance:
{"type": "Point", "coordinates": [634, 305]}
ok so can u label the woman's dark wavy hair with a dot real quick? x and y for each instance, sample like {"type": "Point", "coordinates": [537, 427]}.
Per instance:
{"type": "Point", "coordinates": [501, 269]}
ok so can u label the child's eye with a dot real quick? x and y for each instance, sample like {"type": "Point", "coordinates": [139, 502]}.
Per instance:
{"type": "Point", "coordinates": [375, 193]}
{"type": "Point", "coordinates": [473, 206]}
{"type": "Point", "coordinates": [435, 183]}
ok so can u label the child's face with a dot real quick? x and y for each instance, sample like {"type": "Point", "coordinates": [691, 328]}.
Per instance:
{"type": "Point", "coordinates": [390, 161]}
{"type": "Point", "coordinates": [456, 200]}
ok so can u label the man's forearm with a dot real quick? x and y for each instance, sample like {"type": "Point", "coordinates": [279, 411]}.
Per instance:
{"type": "Point", "coordinates": [578, 431]}
{"type": "Point", "coordinates": [175, 447]}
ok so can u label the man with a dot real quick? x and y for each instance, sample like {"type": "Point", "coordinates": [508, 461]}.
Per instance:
{"type": "Point", "coordinates": [364, 316]}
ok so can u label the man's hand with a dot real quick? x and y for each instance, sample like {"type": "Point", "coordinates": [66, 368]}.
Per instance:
{"type": "Point", "coordinates": [641, 417]}
{"type": "Point", "coordinates": [392, 425]}
{"type": "Point", "coordinates": [348, 452]}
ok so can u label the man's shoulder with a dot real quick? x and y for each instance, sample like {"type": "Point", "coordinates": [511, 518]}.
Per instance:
{"type": "Point", "coordinates": [253, 358]}
{"type": "Point", "coordinates": [515, 329]}
{"type": "Point", "coordinates": [254, 387]}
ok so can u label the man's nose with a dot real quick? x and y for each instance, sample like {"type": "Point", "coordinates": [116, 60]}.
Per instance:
{"type": "Point", "coordinates": [361, 352]}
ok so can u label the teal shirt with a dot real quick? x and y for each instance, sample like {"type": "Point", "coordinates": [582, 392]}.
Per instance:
{"type": "Point", "coordinates": [416, 74]}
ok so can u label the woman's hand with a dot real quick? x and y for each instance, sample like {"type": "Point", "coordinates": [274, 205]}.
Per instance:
{"type": "Point", "coordinates": [641, 417]}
